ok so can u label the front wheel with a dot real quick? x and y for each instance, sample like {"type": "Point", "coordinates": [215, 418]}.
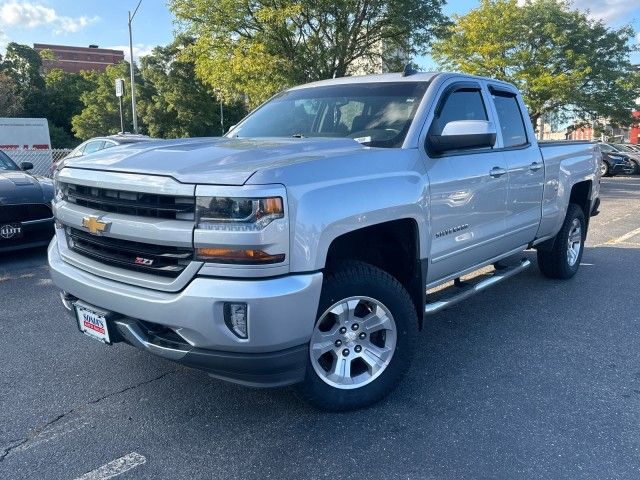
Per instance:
{"type": "Point", "coordinates": [604, 169]}
{"type": "Point", "coordinates": [563, 259]}
{"type": "Point", "coordinates": [363, 339]}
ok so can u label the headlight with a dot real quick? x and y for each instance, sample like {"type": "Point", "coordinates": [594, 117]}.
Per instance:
{"type": "Point", "coordinates": [616, 157]}
{"type": "Point", "coordinates": [57, 189]}
{"type": "Point", "coordinates": [237, 214]}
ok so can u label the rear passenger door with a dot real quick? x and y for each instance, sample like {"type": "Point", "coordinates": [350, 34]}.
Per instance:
{"type": "Point", "coordinates": [525, 166]}
{"type": "Point", "coordinates": [468, 189]}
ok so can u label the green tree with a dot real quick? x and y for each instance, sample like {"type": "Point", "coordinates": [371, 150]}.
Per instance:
{"type": "Point", "coordinates": [561, 60]}
{"type": "Point", "coordinates": [101, 113]}
{"type": "Point", "coordinates": [175, 103]}
{"type": "Point", "coordinates": [23, 64]}
{"type": "Point", "coordinates": [257, 47]}
{"type": "Point", "coordinates": [62, 100]}
{"type": "Point", "coordinates": [11, 102]}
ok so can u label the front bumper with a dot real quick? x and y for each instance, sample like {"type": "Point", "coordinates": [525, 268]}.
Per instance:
{"type": "Point", "coordinates": [35, 233]}
{"type": "Point", "coordinates": [188, 326]}
{"type": "Point", "coordinates": [622, 168]}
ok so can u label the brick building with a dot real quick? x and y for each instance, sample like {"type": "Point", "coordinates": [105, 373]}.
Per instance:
{"type": "Point", "coordinates": [74, 59]}
{"type": "Point", "coordinates": [634, 134]}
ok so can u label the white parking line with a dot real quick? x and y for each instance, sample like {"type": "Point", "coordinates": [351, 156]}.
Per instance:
{"type": "Point", "coordinates": [115, 467]}
{"type": "Point", "coordinates": [624, 237]}
{"type": "Point", "coordinates": [53, 433]}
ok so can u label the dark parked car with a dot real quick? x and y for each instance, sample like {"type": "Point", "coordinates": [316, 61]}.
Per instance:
{"type": "Point", "coordinates": [614, 161]}
{"type": "Point", "coordinates": [632, 154]}
{"type": "Point", "coordinates": [26, 219]}
{"type": "Point", "coordinates": [100, 143]}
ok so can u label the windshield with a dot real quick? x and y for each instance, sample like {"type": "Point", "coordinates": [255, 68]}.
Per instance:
{"type": "Point", "coordinates": [607, 148]}
{"type": "Point", "coordinates": [374, 114]}
{"type": "Point", "coordinates": [624, 148]}
{"type": "Point", "coordinates": [6, 163]}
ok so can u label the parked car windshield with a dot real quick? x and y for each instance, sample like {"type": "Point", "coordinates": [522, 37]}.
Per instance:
{"type": "Point", "coordinates": [374, 114]}
{"type": "Point", "coordinates": [605, 147]}
{"type": "Point", "coordinates": [6, 163]}
{"type": "Point", "coordinates": [624, 148]}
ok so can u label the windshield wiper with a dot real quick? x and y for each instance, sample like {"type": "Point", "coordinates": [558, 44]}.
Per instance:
{"type": "Point", "coordinates": [298, 135]}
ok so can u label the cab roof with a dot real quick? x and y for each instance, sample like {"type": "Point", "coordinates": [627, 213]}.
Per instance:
{"type": "Point", "coordinates": [380, 78]}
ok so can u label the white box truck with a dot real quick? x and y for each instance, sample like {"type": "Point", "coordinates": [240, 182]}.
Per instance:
{"type": "Point", "coordinates": [27, 140]}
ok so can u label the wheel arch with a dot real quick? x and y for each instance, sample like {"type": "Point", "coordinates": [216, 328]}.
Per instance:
{"type": "Point", "coordinates": [393, 246]}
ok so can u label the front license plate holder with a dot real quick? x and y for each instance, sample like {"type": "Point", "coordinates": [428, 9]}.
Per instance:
{"type": "Point", "coordinates": [93, 322]}
{"type": "Point", "coordinates": [11, 231]}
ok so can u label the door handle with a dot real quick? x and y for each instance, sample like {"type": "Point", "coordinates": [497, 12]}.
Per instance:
{"type": "Point", "coordinates": [497, 172]}
{"type": "Point", "coordinates": [535, 166]}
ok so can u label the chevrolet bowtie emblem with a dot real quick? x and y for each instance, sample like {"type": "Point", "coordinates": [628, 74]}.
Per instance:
{"type": "Point", "coordinates": [94, 225]}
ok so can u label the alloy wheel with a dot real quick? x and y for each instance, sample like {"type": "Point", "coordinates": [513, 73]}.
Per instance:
{"type": "Point", "coordinates": [353, 342]}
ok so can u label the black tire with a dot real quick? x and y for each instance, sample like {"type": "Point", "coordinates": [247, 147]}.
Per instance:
{"type": "Point", "coordinates": [636, 168]}
{"type": "Point", "coordinates": [605, 172]}
{"type": "Point", "coordinates": [353, 279]}
{"type": "Point", "coordinates": [555, 263]}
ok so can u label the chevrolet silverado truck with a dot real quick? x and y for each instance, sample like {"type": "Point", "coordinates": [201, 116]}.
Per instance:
{"type": "Point", "coordinates": [310, 244]}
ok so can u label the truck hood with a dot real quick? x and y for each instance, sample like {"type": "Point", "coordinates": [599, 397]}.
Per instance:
{"type": "Point", "coordinates": [20, 187]}
{"type": "Point", "coordinates": [220, 161]}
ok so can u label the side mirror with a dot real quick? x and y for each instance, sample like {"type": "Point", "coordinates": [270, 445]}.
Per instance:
{"type": "Point", "coordinates": [463, 134]}
{"type": "Point", "coordinates": [26, 166]}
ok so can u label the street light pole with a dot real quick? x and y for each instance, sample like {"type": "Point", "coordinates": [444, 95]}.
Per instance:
{"type": "Point", "coordinates": [221, 118]}
{"type": "Point", "coordinates": [133, 81]}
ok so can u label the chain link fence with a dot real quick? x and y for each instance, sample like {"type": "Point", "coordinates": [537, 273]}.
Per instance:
{"type": "Point", "coordinates": [42, 160]}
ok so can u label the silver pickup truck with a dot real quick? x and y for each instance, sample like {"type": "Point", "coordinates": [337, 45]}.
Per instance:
{"type": "Point", "coordinates": [309, 244]}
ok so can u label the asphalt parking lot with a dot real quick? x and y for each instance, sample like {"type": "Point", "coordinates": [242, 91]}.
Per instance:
{"type": "Point", "coordinates": [532, 379]}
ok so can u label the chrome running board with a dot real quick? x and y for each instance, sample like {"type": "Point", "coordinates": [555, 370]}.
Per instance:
{"type": "Point", "coordinates": [462, 291]}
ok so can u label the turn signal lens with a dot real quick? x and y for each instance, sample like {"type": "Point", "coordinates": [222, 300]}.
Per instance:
{"type": "Point", "coordinates": [237, 257]}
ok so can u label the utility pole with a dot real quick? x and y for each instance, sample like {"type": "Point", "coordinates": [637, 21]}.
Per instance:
{"type": "Point", "coordinates": [133, 81]}
{"type": "Point", "coordinates": [221, 119]}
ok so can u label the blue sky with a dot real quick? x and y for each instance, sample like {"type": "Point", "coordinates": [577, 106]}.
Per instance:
{"type": "Point", "coordinates": [104, 22]}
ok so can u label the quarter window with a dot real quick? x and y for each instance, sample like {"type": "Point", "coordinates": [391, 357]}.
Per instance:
{"type": "Point", "coordinates": [514, 133]}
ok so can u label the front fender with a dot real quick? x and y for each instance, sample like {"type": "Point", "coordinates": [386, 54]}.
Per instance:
{"type": "Point", "coordinates": [324, 210]}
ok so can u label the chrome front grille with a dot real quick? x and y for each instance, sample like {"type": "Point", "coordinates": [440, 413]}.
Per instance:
{"type": "Point", "coordinates": [130, 203]}
{"type": "Point", "coordinates": [143, 257]}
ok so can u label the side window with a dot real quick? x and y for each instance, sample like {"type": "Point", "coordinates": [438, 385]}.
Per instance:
{"type": "Point", "coordinates": [461, 104]}
{"type": "Point", "coordinates": [514, 133]}
{"type": "Point", "coordinates": [93, 147]}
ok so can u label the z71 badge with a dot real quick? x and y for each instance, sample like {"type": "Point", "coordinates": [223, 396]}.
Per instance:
{"type": "Point", "coordinates": [143, 261]}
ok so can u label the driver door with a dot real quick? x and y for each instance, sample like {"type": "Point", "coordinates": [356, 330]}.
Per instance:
{"type": "Point", "coordinates": [468, 190]}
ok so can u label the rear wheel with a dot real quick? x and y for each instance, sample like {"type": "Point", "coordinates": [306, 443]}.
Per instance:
{"type": "Point", "coordinates": [363, 340]}
{"type": "Point", "coordinates": [563, 260]}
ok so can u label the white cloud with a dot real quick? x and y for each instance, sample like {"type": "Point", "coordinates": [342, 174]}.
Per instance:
{"type": "Point", "coordinates": [4, 40]}
{"type": "Point", "coordinates": [31, 15]}
{"type": "Point", "coordinates": [609, 11]}
{"type": "Point", "coordinates": [139, 50]}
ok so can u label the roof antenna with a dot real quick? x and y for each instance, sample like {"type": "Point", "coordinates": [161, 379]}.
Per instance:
{"type": "Point", "coordinates": [408, 70]}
